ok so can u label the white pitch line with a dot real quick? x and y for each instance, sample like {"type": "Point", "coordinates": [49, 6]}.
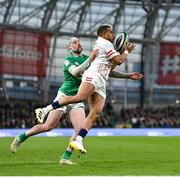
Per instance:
{"type": "Point", "coordinates": [29, 162]}
{"type": "Point", "coordinates": [93, 176]}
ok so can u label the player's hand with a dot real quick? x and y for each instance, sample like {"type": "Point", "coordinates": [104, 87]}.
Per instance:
{"type": "Point", "coordinates": [93, 54]}
{"type": "Point", "coordinates": [135, 76]}
{"type": "Point", "coordinates": [130, 47]}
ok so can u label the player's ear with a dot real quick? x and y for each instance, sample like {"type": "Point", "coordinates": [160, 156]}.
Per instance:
{"type": "Point", "coordinates": [104, 34]}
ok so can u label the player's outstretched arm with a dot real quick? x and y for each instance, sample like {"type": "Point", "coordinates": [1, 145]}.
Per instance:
{"type": "Point", "coordinates": [135, 76]}
{"type": "Point", "coordinates": [132, 76]}
{"type": "Point", "coordinates": [78, 70]}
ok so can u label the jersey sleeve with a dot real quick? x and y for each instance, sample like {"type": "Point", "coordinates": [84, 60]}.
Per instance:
{"type": "Point", "coordinates": [110, 51]}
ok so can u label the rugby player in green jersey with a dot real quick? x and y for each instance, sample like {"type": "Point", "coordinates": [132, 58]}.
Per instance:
{"type": "Point", "coordinates": [74, 66]}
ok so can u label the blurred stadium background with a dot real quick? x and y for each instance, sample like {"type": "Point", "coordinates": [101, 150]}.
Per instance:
{"type": "Point", "coordinates": [33, 45]}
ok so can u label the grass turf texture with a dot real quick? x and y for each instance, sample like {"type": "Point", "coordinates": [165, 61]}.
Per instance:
{"type": "Point", "coordinates": [106, 156]}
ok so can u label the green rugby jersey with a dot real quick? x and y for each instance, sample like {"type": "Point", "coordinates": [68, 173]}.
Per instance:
{"type": "Point", "coordinates": [71, 84]}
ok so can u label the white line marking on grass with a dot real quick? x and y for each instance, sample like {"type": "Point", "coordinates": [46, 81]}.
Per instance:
{"type": "Point", "coordinates": [29, 162]}
{"type": "Point", "coordinates": [94, 176]}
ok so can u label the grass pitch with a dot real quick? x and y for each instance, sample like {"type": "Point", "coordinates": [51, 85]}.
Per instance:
{"type": "Point", "coordinates": [39, 156]}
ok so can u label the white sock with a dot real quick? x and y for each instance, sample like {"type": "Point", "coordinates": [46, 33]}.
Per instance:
{"type": "Point", "coordinates": [79, 138]}
{"type": "Point", "coordinates": [48, 108]}
{"type": "Point", "coordinates": [69, 149]}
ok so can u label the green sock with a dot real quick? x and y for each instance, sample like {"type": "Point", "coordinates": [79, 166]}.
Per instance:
{"type": "Point", "coordinates": [67, 155]}
{"type": "Point", "coordinates": [22, 137]}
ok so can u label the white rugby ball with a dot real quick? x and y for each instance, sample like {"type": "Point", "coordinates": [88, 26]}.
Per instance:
{"type": "Point", "coordinates": [120, 41]}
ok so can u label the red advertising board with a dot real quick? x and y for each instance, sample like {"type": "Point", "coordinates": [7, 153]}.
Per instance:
{"type": "Point", "coordinates": [24, 53]}
{"type": "Point", "coordinates": [169, 65]}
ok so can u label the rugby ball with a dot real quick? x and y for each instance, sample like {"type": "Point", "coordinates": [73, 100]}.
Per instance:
{"type": "Point", "coordinates": [120, 41]}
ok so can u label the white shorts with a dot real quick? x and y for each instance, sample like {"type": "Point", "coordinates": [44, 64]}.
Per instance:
{"type": "Point", "coordinates": [69, 107]}
{"type": "Point", "coordinates": [98, 81]}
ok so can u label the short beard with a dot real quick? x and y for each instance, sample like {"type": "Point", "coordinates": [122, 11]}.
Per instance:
{"type": "Point", "coordinates": [78, 51]}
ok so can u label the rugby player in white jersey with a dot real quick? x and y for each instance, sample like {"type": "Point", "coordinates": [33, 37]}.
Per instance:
{"type": "Point", "coordinates": [93, 86]}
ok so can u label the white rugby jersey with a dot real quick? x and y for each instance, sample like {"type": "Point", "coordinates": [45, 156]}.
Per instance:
{"type": "Point", "coordinates": [102, 62]}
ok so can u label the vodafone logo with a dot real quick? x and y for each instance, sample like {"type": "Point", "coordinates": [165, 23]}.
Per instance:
{"type": "Point", "coordinates": [19, 52]}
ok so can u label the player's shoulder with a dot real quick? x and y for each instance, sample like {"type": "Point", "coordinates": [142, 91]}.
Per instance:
{"type": "Point", "coordinates": [103, 42]}
{"type": "Point", "coordinates": [85, 56]}
{"type": "Point", "coordinates": [69, 57]}
{"type": "Point", "coordinates": [68, 60]}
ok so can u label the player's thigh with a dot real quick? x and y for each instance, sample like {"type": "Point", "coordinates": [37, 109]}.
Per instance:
{"type": "Point", "coordinates": [77, 117]}
{"type": "Point", "coordinates": [85, 90]}
{"type": "Point", "coordinates": [53, 118]}
{"type": "Point", "coordinates": [96, 102]}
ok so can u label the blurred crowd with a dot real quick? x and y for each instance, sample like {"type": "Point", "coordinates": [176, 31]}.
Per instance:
{"type": "Point", "coordinates": [17, 115]}
{"type": "Point", "coordinates": [21, 115]}
{"type": "Point", "coordinates": [163, 117]}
